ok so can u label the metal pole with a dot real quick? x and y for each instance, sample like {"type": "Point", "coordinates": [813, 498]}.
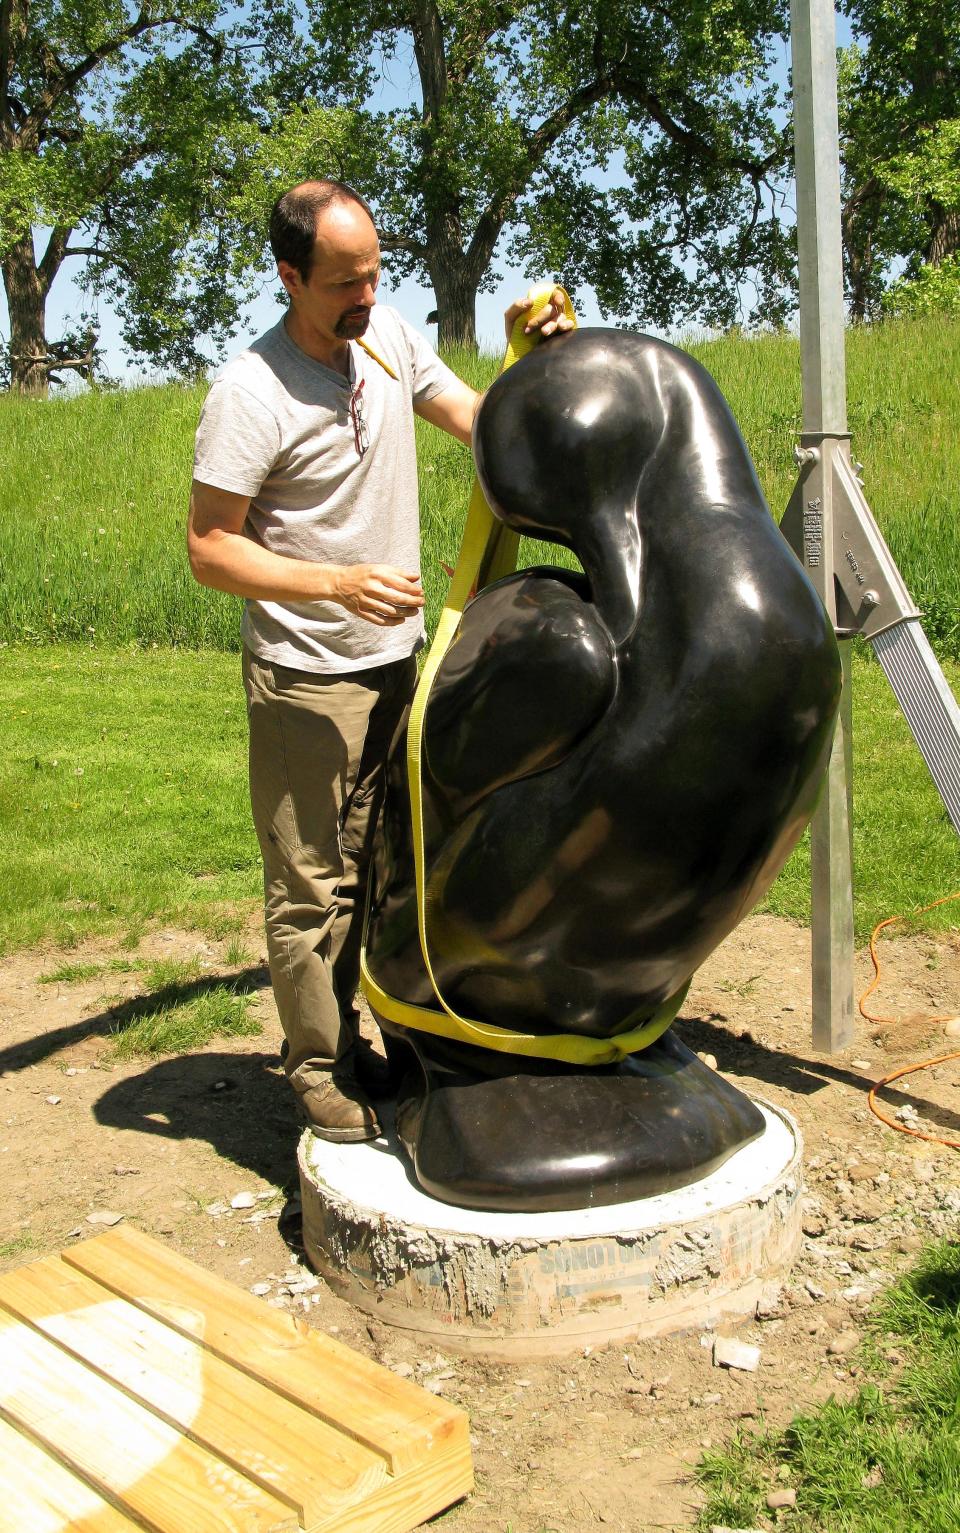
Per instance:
{"type": "Point", "coordinates": [823, 369]}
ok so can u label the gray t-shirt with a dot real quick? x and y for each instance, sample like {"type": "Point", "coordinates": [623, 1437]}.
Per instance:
{"type": "Point", "coordinates": [278, 426]}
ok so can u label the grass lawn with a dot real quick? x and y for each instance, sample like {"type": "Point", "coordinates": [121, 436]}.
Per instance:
{"type": "Point", "coordinates": [122, 793]}
{"type": "Point", "coordinates": [889, 1460]}
{"type": "Point", "coordinates": [123, 799]}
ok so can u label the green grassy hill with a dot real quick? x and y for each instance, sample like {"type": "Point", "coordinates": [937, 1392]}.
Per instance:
{"type": "Point", "coordinates": [93, 489]}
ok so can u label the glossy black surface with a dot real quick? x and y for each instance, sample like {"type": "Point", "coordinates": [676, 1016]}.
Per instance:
{"type": "Point", "coordinates": [617, 764]}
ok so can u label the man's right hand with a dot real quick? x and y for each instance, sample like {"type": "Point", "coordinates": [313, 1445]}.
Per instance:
{"type": "Point", "coordinates": [223, 558]}
{"type": "Point", "coordinates": [378, 593]}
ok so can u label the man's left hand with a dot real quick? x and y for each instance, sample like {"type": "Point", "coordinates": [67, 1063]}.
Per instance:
{"type": "Point", "coordinates": [549, 318]}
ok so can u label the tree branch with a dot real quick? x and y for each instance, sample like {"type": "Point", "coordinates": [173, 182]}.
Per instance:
{"type": "Point", "coordinates": [426, 26]}
{"type": "Point", "coordinates": [52, 259]}
{"type": "Point", "coordinates": [69, 79]}
{"type": "Point", "coordinates": [13, 28]}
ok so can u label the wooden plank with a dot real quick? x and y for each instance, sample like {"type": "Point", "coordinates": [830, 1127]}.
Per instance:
{"type": "Point", "coordinates": [41, 1496]}
{"type": "Point", "coordinates": [388, 1414]}
{"type": "Point", "coordinates": [406, 1502]}
{"type": "Point", "coordinates": [287, 1450]}
{"type": "Point", "coordinates": [165, 1481]}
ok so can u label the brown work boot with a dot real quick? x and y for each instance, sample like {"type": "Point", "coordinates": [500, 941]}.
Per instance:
{"type": "Point", "coordinates": [340, 1110]}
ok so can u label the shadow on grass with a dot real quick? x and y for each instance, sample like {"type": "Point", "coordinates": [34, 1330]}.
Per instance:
{"type": "Point", "coordinates": [115, 1020]}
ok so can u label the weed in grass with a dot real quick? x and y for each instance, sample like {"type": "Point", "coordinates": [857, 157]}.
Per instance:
{"type": "Point", "coordinates": [167, 973]}
{"type": "Point", "coordinates": [19, 1245]}
{"type": "Point", "coordinates": [887, 1459]}
{"type": "Point", "coordinates": [224, 923]}
{"type": "Point", "coordinates": [134, 934]}
{"type": "Point", "coordinates": [178, 1018]}
{"type": "Point", "coordinates": [237, 954]}
{"type": "Point", "coordinates": [741, 987]}
{"type": "Point", "coordinates": [77, 973]}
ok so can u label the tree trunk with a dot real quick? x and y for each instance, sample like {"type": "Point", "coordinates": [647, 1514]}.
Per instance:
{"type": "Point", "coordinates": [26, 304]}
{"type": "Point", "coordinates": [456, 295]}
{"type": "Point", "coordinates": [945, 239]}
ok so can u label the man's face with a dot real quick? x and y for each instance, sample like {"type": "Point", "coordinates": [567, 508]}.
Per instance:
{"type": "Point", "coordinates": [336, 299]}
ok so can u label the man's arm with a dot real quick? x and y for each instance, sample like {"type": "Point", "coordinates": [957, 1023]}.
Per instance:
{"type": "Point", "coordinates": [454, 409]}
{"type": "Point", "coordinates": [221, 556]}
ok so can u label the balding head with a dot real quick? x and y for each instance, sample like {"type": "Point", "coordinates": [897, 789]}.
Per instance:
{"type": "Point", "coordinates": [295, 215]}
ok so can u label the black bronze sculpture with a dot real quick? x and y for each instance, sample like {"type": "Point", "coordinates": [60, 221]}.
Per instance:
{"type": "Point", "coordinates": [616, 766]}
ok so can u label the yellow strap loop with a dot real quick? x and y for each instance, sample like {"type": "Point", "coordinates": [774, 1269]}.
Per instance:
{"type": "Point", "coordinates": [488, 552]}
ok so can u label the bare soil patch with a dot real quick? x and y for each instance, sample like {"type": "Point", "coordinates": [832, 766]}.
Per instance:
{"type": "Point", "coordinates": [608, 1439]}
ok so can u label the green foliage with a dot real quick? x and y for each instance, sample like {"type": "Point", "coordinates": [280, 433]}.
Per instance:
{"type": "Point", "coordinates": [935, 290]}
{"type": "Point", "coordinates": [523, 103]}
{"type": "Point", "coordinates": [153, 142]}
{"type": "Point", "coordinates": [132, 134]}
{"type": "Point", "coordinates": [890, 1457]}
{"type": "Point", "coordinates": [900, 131]}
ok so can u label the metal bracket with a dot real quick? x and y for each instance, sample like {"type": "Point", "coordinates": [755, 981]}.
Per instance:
{"type": "Point", "coordinates": [867, 596]}
{"type": "Point", "coordinates": [869, 592]}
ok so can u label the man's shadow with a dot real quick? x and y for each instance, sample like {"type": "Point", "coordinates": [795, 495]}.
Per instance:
{"type": "Point", "coordinates": [240, 1104]}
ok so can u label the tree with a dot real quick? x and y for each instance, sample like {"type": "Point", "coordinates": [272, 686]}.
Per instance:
{"type": "Point", "coordinates": [119, 133]}
{"type": "Point", "coordinates": [151, 143]}
{"type": "Point", "coordinates": [900, 132]}
{"type": "Point", "coordinates": [523, 102]}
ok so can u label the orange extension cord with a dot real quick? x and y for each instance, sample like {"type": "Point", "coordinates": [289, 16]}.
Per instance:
{"type": "Point", "coordinates": [953, 1144]}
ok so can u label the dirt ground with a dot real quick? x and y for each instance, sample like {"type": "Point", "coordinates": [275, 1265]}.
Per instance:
{"type": "Point", "coordinates": [608, 1439]}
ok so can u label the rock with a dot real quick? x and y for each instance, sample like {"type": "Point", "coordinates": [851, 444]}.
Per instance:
{"type": "Point", "coordinates": [126, 1170]}
{"type": "Point", "coordinates": [952, 1029]}
{"type": "Point", "coordinates": [907, 1114]}
{"type": "Point", "coordinates": [710, 1060]}
{"type": "Point", "coordinates": [215, 1209]}
{"type": "Point", "coordinates": [814, 1289]}
{"type": "Point", "coordinates": [104, 1216]}
{"type": "Point", "coordinates": [842, 1343]}
{"type": "Point", "coordinates": [813, 1226]}
{"type": "Point", "coordinates": [304, 1284]}
{"type": "Point", "coordinates": [860, 1064]}
{"type": "Point", "coordinates": [867, 1171]}
{"type": "Point", "coordinates": [868, 1208]}
{"type": "Point", "coordinates": [728, 1352]}
{"type": "Point", "coordinates": [243, 1200]}
{"type": "Point", "coordinates": [716, 1527]}
{"type": "Point", "coordinates": [769, 1306]}
{"type": "Point", "coordinates": [778, 1499]}
{"type": "Point", "coordinates": [53, 1101]}
{"type": "Point", "coordinates": [260, 1289]}
{"type": "Point", "coordinates": [712, 1399]}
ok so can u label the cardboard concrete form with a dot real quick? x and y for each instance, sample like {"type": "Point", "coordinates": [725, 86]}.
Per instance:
{"type": "Point", "coordinates": [512, 1285]}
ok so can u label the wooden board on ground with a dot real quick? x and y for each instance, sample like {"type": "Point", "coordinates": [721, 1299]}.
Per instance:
{"type": "Point", "coordinates": [138, 1391]}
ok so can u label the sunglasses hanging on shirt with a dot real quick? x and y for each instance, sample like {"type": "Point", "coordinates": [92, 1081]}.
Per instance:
{"type": "Point", "coordinates": [361, 435]}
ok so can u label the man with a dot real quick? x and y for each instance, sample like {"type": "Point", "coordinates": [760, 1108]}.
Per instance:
{"type": "Point", "coordinates": [304, 501]}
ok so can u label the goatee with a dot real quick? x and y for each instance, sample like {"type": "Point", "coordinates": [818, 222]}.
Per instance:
{"type": "Point", "coordinates": [351, 325]}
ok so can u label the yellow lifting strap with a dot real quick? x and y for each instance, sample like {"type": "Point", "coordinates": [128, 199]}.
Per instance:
{"type": "Point", "coordinates": [488, 552]}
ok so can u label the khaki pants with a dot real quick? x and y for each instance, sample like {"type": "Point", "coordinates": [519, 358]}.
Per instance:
{"type": "Point", "coordinates": [318, 749]}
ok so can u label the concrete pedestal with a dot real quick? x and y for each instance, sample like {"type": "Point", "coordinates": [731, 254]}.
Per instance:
{"type": "Point", "coordinates": [514, 1285]}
